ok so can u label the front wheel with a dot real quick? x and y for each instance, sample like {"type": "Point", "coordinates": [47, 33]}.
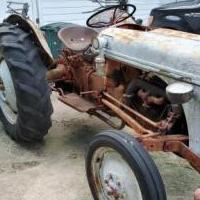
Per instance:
{"type": "Point", "coordinates": [119, 168]}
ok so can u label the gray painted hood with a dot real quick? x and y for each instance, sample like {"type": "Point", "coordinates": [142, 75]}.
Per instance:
{"type": "Point", "coordinates": [171, 53]}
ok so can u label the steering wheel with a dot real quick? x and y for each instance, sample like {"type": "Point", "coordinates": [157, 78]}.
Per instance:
{"type": "Point", "coordinates": [111, 15]}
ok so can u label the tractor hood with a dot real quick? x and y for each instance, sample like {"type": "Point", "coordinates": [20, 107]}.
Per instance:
{"type": "Point", "coordinates": [167, 52]}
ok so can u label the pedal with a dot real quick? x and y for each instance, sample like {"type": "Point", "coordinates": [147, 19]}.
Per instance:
{"type": "Point", "coordinates": [78, 103]}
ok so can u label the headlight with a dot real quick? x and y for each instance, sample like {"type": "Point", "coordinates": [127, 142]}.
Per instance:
{"type": "Point", "coordinates": [179, 92]}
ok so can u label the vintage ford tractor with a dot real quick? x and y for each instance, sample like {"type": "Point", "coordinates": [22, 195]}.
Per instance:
{"type": "Point", "coordinates": [120, 72]}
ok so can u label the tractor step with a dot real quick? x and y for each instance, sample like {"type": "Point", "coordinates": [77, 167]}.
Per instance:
{"type": "Point", "coordinates": [77, 102]}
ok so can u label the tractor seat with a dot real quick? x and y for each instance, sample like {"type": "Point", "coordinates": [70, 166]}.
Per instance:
{"type": "Point", "coordinates": [77, 38]}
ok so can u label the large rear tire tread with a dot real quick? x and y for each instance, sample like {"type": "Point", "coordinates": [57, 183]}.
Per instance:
{"type": "Point", "coordinates": [139, 160]}
{"type": "Point", "coordinates": [29, 77]}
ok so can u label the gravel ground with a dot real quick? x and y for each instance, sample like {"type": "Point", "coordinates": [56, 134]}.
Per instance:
{"type": "Point", "coordinates": [54, 169]}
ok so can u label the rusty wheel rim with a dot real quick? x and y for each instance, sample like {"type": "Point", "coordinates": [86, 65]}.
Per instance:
{"type": "Point", "coordinates": [114, 179]}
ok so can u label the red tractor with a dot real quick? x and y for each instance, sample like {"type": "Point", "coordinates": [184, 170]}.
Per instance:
{"type": "Point", "coordinates": [118, 71]}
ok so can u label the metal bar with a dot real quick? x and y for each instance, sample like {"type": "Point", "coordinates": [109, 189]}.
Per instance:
{"type": "Point", "coordinates": [184, 151]}
{"type": "Point", "coordinates": [141, 118]}
{"type": "Point", "coordinates": [174, 144]}
{"type": "Point", "coordinates": [128, 119]}
{"type": "Point", "coordinates": [108, 121]}
{"type": "Point", "coordinates": [158, 143]}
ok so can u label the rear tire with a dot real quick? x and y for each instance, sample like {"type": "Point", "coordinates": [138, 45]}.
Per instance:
{"type": "Point", "coordinates": [28, 73]}
{"type": "Point", "coordinates": [118, 167]}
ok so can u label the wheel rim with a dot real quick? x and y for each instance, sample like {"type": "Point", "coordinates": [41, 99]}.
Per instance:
{"type": "Point", "coordinates": [113, 176]}
{"type": "Point", "coordinates": [7, 94]}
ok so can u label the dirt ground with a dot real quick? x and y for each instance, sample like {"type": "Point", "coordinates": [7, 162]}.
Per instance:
{"type": "Point", "coordinates": [54, 169]}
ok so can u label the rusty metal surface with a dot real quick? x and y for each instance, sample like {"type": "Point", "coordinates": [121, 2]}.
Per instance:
{"type": "Point", "coordinates": [175, 33]}
{"type": "Point", "coordinates": [147, 123]}
{"type": "Point", "coordinates": [175, 144]}
{"type": "Point", "coordinates": [182, 150]}
{"type": "Point", "coordinates": [91, 97]}
{"type": "Point", "coordinates": [166, 52]}
{"type": "Point", "coordinates": [156, 141]}
{"type": "Point", "coordinates": [77, 102]}
{"type": "Point", "coordinates": [77, 38]}
{"type": "Point", "coordinates": [173, 55]}
{"type": "Point", "coordinates": [127, 118]}
{"type": "Point", "coordinates": [150, 100]}
{"type": "Point", "coordinates": [107, 119]}
{"type": "Point", "coordinates": [60, 72]}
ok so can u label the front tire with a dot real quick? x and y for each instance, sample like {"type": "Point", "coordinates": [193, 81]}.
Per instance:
{"type": "Point", "coordinates": [25, 106]}
{"type": "Point", "coordinates": [118, 167]}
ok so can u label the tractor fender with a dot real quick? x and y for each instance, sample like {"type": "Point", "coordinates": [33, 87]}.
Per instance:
{"type": "Point", "coordinates": [29, 26]}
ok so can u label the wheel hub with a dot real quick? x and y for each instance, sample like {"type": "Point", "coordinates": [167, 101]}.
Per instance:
{"type": "Point", "coordinates": [113, 187]}
{"type": "Point", "coordinates": [115, 179]}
